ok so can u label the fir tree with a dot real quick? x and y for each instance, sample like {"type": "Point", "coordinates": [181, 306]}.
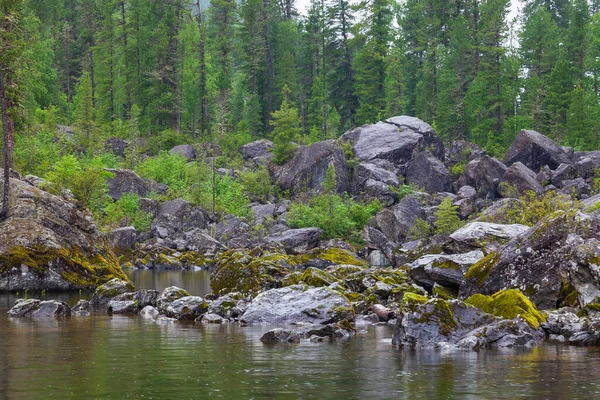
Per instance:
{"type": "Point", "coordinates": [286, 129]}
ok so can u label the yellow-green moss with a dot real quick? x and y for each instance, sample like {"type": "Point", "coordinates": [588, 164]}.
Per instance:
{"type": "Point", "coordinates": [334, 256]}
{"type": "Point", "coordinates": [317, 278]}
{"type": "Point", "coordinates": [508, 304]}
{"type": "Point", "coordinates": [76, 267]}
{"type": "Point", "coordinates": [445, 264]}
{"type": "Point", "coordinates": [568, 296]}
{"type": "Point", "coordinates": [437, 311]}
{"type": "Point", "coordinates": [343, 271]}
{"type": "Point", "coordinates": [482, 269]}
{"type": "Point", "coordinates": [444, 292]}
{"type": "Point", "coordinates": [414, 298]}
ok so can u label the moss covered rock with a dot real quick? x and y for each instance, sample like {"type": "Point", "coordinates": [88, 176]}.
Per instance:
{"type": "Point", "coordinates": [248, 273]}
{"type": "Point", "coordinates": [559, 252]}
{"type": "Point", "coordinates": [48, 243]}
{"type": "Point", "coordinates": [508, 304]}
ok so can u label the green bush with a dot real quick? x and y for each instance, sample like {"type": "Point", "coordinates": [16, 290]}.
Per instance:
{"type": "Point", "coordinates": [229, 197]}
{"type": "Point", "coordinates": [36, 153]}
{"type": "Point", "coordinates": [258, 183]}
{"type": "Point", "coordinates": [338, 217]}
{"type": "Point", "coordinates": [126, 211]}
{"type": "Point", "coordinates": [172, 170]}
{"type": "Point", "coordinates": [86, 178]}
{"type": "Point", "coordinates": [447, 217]}
{"type": "Point", "coordinates": [165, 141]}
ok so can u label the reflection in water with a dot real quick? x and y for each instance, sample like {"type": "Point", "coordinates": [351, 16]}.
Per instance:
{"type": "Point", "coordinates": [118, 357]}
{"type": "Point", "coordinates": [197, 282]}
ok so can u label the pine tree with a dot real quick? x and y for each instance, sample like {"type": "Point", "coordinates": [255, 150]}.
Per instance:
{"type": "Point", "coordinates": [84, 113]}
{"type": "Point", "coordinates": [578, 128]}
{"type": "Point", "coordinates": [369, 63]}
{"type": "Point", "coordinates": [560, 86]}
{"type": "Point", "coordinates": [286, 129]}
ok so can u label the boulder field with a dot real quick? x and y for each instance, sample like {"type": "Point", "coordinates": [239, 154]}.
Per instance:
{"type": "Point", "coordinates": [522, 266]}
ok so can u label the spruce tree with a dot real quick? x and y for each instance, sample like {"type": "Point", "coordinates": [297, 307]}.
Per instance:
{"type": "Point", "coordinates": [286, 129]}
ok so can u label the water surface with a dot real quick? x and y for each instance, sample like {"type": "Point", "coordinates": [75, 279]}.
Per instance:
{"type": "Point", "coordinates": [126, 357]}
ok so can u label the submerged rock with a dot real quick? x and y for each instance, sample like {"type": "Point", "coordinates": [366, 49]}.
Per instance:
{"type": "Point", "coordinates": [298, 304]}
{"type": "Point", "coordinates": [122, 307]}
{"type": "Point", "coordinates": [83, 308]}
{"type": "Point", "coordinates": [149, 312]}
{"type": "Point", "coordinates": [279, 335]}
{"type": "Point", "coordinates": [186, 308]}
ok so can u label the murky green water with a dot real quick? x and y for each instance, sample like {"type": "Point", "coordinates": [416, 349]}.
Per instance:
{"type": "Point", "coordinates": [126, 357]}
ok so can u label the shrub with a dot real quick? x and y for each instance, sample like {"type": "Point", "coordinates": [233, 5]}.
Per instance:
{"type": "Point", "coordinates": [338, 217]}
{"type": "Point", "coordinates": [86, 178]}
{"type": "Point", "coordinates": [447, 217]}
{"type": "Point", "coordinates": [126, 211]}
{"type": "Point", "coordinates": [229, 197]}
{"type": "Point", "coordinates": [165, 141]}
{"type": "Point", "coordinates": [420, 230]}
{"type": "Point", "coordinates": [169, 169]}
{"type": "Point", "coordinates": [530, 208]}
{"type": "Point", "coordinates": [258, 183]}
{"type": "Point", "coordinates": [36, 153]}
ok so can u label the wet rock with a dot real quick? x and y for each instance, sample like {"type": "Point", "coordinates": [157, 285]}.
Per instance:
{"type": "Point", "coordinates": [298, 304]}
{"type": "Point", "coordinates": [168, 296]}
{"type": "Point", "coordinates": [428, 323]}
{"type": "Point", "coordinates": [210, 319]}
{"type": "Point", "coordinates": [429, 173]}
{"type": "Point", "coordinates": [32, 308]}
{"type": "Point", "coordinates": [164, 320]}
{"type": "Point", "coordinates": [535, 150]}
{"type": "Point", "coordinates": [122, 307]}
{"type": "Point", "coordinates": [383, 313]}
{"type": "Point", "coordinates": [517, 180]}
{"type": "Point", "coordinates": [149, 312]}
{"type": "Point", "coordinates": [297, 240]}
{"type": "Point", "coordinates": [184, 150]}
{"type": "Point", "coordinates": [564, 325]}
{"type": "Point", "coordinates": [83, 308]}
{"type": "Point", "coordinates": [483, 174]}
{"type": "Point", "coordinates": [483, 235]}
{"type": "Point", "coordinates": [146, 297]}
{"type": "Point", "coordinates": [443, 269]}
{"type": "Point", "coordinates": [105, 293]}
{"type": "Point", "coordinates": [122, 239]}
{"type": "Point", "coordinates": [279, 335]}
{"type": "Point", "coordinates": [126, 181]}
{"type": "Point", "coordinates": [186, 308]}
{"type": "Point", "coordinates": [307, 169]}
{"type": "Point", "coordinates": [331, 331]}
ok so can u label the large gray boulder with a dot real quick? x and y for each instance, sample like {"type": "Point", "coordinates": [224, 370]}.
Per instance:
{"type": "Point", "coordinates": [297, 240]}
{"type": "Point", "coordinates": [365, 172]}
{"type": "Point", "coordinates": [535, 150]}
{"type": "Point", "coordinates": [384, 141]}
{"type": "Point", "coordinates": [122, 239]}
{"type": "Point", "coordinates": [429, 173]}
{"type": "Point", "coordinates": [48, 243]}
{"type": "Point", "coordinates": [436, 323]}
{"type": "Point", "coordinates": [554, 260]}
{"type": "Point", "coordinates": [168, 296]}
{"type": "Point", "coordinates": [483, 173]}
{"type": "Point", "coordinates": [298, 304]}
{"type": "Point", "coordinates": [126, 181]}
{"type": "Point", "coordinates": [176, 217]}
{"type": "Point", "coordinates": [448, 270]}
{"type": "Point", "coordinates": [395, 222]}
{"type": "Point", "coordinates": [186, 308]}
{"type": "Point", "coordinates": [234, 232]}
{"type": "Point", "coordinates": [185, 150]}
{"type": "Point", "coordinates": [517, 180]}
{"type": "Point", "coordinates": [106, 292]}
{"type": "Point", "coordinates": [431, 140]}
{"type": "Point", "coordinates": [33, 308]}
{"type": "Point", "coordinates": [483, 235]}
{"type": "Point", "coordinates": [307, 169]}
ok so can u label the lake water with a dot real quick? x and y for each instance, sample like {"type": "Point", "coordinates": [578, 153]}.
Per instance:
{"type": "Point", "coordinates": [126, 357]}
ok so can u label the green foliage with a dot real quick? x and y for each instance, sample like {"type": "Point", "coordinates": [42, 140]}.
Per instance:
{"type": "Point", "coordinates": [126, 211]}
{"type": "Point", "coordinates": [169, 169]}
{"type": "Point", "coordinates": [86, 178]}
{"type": "Point", "coordinates": [420, 230]}
{"type": "Point", "coordinates": [338, 217]}
{"type": "Point", "coordinates": [36, 153]}
{"type": "Point", "coordinates": [530, 208]}
{"type": "Point", "coordinates": [258, 184]}
{"type": "Point", "coordinates": [458, 169]}
{"type": "Point", "coordinates": [404, 190]}
{"type": "Point", "coordinates": [165, 141]}
{"type": "Point", "coordinates": [286, 129]}
{"type": "Point", "coordinates": [329, 183]}
{"type": "Point", "coordinates": [447, 217]}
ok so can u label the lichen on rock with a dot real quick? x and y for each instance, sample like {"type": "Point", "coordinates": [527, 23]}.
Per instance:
{"type": "Point", "coordinates": [508, 304]}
